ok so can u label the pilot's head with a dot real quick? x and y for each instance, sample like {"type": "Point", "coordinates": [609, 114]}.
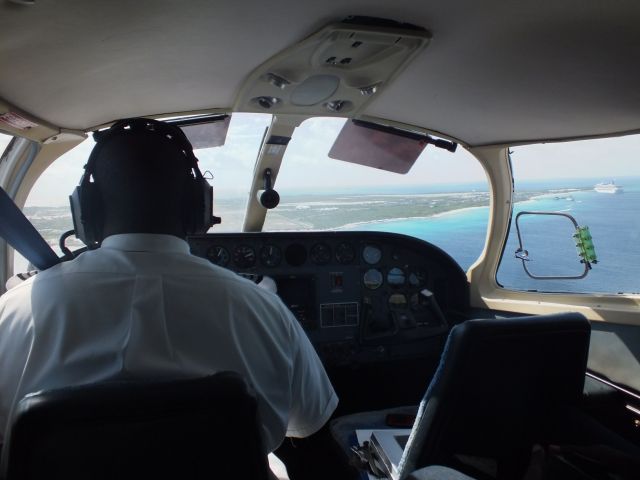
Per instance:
{"type": "Point", "coordinates": [145, 180]}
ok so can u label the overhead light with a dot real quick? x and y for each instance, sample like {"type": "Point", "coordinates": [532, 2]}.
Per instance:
{"type": "Point", "coordinates": [336, 106]}
{"type": "Point", "coordinates": [266, 102]}
{"type": "Point", "coordinates": [314, 90]}
{"type": "Point", "coordinates": [370, 90]}
{"type": "Point", "coordinates": [276, 80]}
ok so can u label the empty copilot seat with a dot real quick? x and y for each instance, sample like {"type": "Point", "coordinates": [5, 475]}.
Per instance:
{"type": "Point", "coordinates": [502, 386]}
{"type": "Point", "coordinates": [190, 428]}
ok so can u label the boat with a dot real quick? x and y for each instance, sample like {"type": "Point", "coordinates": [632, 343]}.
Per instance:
{"type": "Point", "coordinates": [608, 187]}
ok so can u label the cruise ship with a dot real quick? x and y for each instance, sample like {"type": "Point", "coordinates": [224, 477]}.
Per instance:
{"type": "Point", "coordinates": [608, 187]}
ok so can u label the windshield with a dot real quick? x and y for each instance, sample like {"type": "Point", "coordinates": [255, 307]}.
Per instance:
{"type": "Point", "coordinates": [231, 166]}
{"type": "Point", "coordinates": [443, 198]}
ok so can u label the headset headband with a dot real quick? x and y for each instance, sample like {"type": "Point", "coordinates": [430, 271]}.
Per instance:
{"type": "Point", "coordinates": [139, 127]}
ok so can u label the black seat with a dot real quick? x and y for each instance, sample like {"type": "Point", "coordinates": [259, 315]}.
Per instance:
{"type": "Point", "coordinates": [193, 428]}
{"type": "Point", "coordinates": [502, 386]}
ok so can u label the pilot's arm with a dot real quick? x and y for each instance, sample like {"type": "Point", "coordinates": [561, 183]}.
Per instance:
{"type": "Point", "coordinates": [313, 397]}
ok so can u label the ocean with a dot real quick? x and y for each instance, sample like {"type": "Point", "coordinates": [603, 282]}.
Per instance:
{"type": "Point", "coordinates": [612, 218]}
{"type": "Point", "coordinates": [613, 221]}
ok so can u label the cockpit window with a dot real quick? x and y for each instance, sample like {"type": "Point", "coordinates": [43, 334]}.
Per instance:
{"type": "Point", "coordinates": [597, 182]}
{"type": "Point", "coordinates": [47, 205]}
{"type": "Point", "coordinates": [442, 199]}
{"type": "Point", "coordinates": [231, 166]}
{"type": "Point", "coordinates": [4, 141]}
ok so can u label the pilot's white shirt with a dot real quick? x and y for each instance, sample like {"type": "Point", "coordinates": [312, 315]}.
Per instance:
{"type": "Point", "coordinates": [143, 306]}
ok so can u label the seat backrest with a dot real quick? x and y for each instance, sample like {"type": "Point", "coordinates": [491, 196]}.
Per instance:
{"type": "Point", "coordinates": [189, 428]}
{"type": "Point", "coordinates": [500, 385]}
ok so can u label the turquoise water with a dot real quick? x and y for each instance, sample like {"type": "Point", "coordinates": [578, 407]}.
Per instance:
{"type": "Point", "coordinates": [612, 218]}
{"type": "Point", "coordinates": [460, 233]}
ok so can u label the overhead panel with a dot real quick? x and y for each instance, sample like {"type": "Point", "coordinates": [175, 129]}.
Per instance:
{"type": "Point", "coordinates": [334, 72]}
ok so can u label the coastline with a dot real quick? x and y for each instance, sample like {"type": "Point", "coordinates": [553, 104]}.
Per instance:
{"type": "Point", "coordinates": [404, 219]}
{"type": "Point", "coordinates": [345, 212]}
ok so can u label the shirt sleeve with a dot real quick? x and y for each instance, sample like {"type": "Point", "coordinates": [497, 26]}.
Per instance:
{"type": "Point", "coordinates": [16, 335]}
{"type": "Point", "coordinates": [313, 398]}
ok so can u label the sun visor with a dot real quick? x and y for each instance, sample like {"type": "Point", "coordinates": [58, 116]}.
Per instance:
{"type": "Point", "coordinates": [376, 146]}
{"type": "Point", "coordinates": [204, 131]}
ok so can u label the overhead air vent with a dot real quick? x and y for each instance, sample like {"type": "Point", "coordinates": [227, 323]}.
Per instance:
{"type": "Point", "coordinates": [336, 70]}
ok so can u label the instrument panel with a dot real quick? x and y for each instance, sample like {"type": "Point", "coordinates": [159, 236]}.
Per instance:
{"type": "Point", "coordinates": [360, 296]}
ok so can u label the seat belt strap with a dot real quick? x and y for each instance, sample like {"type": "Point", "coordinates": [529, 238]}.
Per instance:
{"type": "Point", "coordinates": [18, 231]}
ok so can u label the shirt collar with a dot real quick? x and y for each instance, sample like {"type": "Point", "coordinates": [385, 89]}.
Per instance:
{"type": "Point", "coordinates": [146, 242]}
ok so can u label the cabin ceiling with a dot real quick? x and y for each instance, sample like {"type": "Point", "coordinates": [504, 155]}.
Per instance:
{"type": "Point", "coordinates": [494, 71]}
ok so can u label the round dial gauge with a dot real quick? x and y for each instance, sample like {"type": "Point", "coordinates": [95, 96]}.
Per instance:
{"type": "Point", "coordinates": [244, 256]}
{"type": "Point", "coordinates": [373, 278]}
{"type": "Point", "coordinates": [345, 253]}
{"type": "Point", "coordinates": [418, 302]}
{"type": "Point", "coordinates": [371, 254]}
{"type": "Point", "coordinates": [397, 300]}
{"type": "Point", "coordinates": [218, 255]}
{"type": "Point", "coordinates": [270, 255]}
{"type": "Point", "coordinates": [320, 254]}
{"type": "Point", "coordinates": [395, 276]}
{"type": "Point", "coordinates": [417, 278]}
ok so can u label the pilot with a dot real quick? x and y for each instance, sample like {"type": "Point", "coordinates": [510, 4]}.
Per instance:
{"type": "Point", "coordinates": [142, 306]}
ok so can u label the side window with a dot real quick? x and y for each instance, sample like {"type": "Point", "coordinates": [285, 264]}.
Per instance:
{"type": "Point", "coordinates": [443, 199]}
{"type": "Point", "coordinates": [47, 205]}
{"type": "Point", "coordinates": [598, 183]}
{"type": "Point", "coordinates": [4, 141]}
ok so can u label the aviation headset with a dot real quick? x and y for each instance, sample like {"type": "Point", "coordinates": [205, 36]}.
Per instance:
{"type": "Point", "coordinates": [86, 202]}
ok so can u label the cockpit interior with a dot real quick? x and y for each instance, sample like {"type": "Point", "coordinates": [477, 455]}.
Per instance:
{"type": "Point", "coordinates": [393, 172]}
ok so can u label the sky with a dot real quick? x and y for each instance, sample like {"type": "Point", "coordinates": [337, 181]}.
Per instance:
{"type": "Point", "coordinates": [4, 141]}
{"type": "Point", "coordinates": [307, 168]}
{"type": "Point", "coordinates": [606, 158]}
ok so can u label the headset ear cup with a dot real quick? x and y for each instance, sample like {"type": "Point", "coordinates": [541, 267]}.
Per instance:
{"type": "Point", "coordinates": [199, 206]}
{"type": "Point", "coordinates": [207, 193]}
{"type": "Point", "coordinates": [76, 212]}
{"type": "Point", "coordinates": [87, 213]}
{"type": "Point", "coordinates": [96, 209]}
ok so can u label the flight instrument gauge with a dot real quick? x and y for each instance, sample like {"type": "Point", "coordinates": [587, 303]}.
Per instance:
{"type": "Point", "coordinates": [418, 278]}
{"type": "Point", "coordinates": [345, 253]}
{"type": "Point", "coordinates": [244, 256]}
{"type": "Point", "coordinates": [218, 255]}
{"type": "Point", "coordinates": [320, 254]}
{"type": "Point", "coordinates": [373, 279]}
{"type": "Point", "coordinates": [395, 276]}
{"type": "Point", "coordinates": [270, 255]}
{"type": "Point", "coordinates": [371, 254]}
